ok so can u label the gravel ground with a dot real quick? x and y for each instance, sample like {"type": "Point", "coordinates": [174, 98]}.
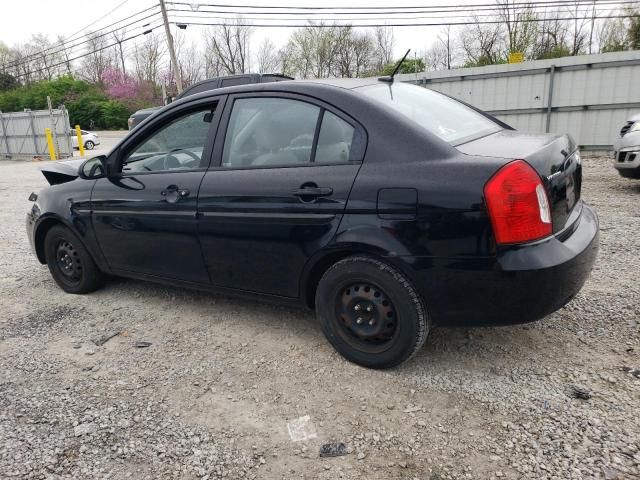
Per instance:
{"type": "Point", "coordinates": [212, 395]}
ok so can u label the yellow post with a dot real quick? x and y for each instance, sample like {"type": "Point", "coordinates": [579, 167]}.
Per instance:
{"type": "Point", "coordinates": [52, 150]}
{"type": "Point", "coordinates": [80, 142]}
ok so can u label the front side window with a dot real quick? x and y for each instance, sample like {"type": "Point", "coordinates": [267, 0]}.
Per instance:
{"type": "Point", "coordinates": [445, 117]}
{"type": "Point", "coordinates": [269, 131]}
{"type": "Point", "coordinates": [177, 146]}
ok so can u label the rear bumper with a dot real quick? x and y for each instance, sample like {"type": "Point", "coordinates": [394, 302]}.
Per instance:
{"type": "Point", "coordinates": [520, 284]}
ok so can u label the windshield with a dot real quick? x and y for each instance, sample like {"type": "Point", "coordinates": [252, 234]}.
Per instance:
{"type": "Point", "coordinates": [443, 116]}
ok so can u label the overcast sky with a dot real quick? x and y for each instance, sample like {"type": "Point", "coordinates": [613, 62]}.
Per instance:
{"type": "Point", "coordinates": [19, 19]}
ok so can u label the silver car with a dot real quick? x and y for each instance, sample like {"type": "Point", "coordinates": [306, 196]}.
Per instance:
{"type": "Point", "coordinates": [627, 149]}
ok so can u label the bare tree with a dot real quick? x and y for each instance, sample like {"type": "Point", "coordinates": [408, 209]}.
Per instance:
{"type": "Point", "coordinates": [521, 25]}
{"type": "Point", "coordinates": [65, 54]}
{"type": "Point", "coordinates": [267, 59]}
{"type": "Point", "coordinates": [148, 57]}
{"type": "Point", "coordinates": [384, 43]}
{"type": "Point", "coordinates": [97, 60]}
{"type": "Point", "coordinates": [579, 27]}
{"type": "Point", "coordinates": [229, 45]}
{"type": "Point", "coordinates": [482, 43]}
{"type": "Point", "coordinates": [189, 61]}
{"type": "Point", "coordinates": [119, 37]}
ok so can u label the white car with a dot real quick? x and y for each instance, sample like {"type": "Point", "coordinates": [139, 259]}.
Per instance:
{"type": "Point", "coordinates": [90, 139]}
{"type": "Point", "coordinates": [627, 149]}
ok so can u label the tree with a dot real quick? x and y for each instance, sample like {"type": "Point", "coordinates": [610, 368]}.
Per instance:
{"type": "Point", "coordinates": [267, 60]}
{"type": "Point", "coordinates": [521, 26]}
{"type": "Point", "coordinates": [8, 82]}
{"type": "Point", "coordinates": [633, 30]}
{"type": "Point", "coordinates": [483, 44]}
{"type": "Point", "coordinates": [409, 65]}
{"type": "Point", "coordinates": [612, 36]}
{"type": "Point", "coordinates": [97, 60]}
{"type": "Point", "coordinates": [229, 45]}
{"type": "Point", "coordinates": [384, 44]}
{"type": "Point", "coordinates": [148, 57]}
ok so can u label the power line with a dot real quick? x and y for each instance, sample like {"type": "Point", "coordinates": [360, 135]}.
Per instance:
{"type": "Point", "coordinates": [392, 24]}
{"type": "Point", "coordinates": [187, 14]}
{"type": "Point", "coordinates": [83, 55]}
{"type": "Point", "coordinates": [97, 20]}
{"type": "Point", "coordinates": [389, 8]}
{"type": "Point", "coordinates": [61, 47]}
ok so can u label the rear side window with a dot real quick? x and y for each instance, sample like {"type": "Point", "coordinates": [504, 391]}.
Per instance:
{"type": "Point", "coordinates": [270, 131]}
{"type": "Point", "coordinates": [335, 139]}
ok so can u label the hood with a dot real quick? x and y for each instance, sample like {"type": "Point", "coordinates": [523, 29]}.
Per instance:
{"type": "Point", "coordinates": [61, 171]}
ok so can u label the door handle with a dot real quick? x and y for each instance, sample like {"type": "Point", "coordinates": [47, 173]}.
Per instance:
{"type": "Point", "coordinates": [174, 193]}
{"type": "Point", "coordinates": [313, 192]}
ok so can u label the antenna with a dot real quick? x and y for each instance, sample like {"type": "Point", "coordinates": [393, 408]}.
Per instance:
{"type": "Point", "coordinates": [389, 79]}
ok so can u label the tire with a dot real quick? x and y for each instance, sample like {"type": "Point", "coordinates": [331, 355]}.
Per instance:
{"type": "Point", "coordinates": [63, 247]}
{"type": "Point", "coordinates": [397, 325]}
{"type": "Point", "coordinates": [89, 145]}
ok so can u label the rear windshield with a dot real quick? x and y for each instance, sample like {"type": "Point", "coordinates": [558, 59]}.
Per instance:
{"type": "Point", "coordinates": [448, 119]}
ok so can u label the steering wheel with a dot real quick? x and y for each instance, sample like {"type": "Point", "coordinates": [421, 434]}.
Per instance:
{"type": "Point", "coordinates": [176, 150]}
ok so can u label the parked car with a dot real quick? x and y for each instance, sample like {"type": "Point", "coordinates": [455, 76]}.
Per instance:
{"type": "Point", "coordinates": [211, 84]}
{"type": "Point", "coordinates": [627, 148]}
{"type": "Point", "coordinates": [387, 207]}
{"type": "Point", "coordinates": [89, 139]}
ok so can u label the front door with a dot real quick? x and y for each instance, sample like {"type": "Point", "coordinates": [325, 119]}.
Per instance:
{"type": "Point", "coordinates": [278, 193]}
{"type": "Point", "coordinates": [145, 217]}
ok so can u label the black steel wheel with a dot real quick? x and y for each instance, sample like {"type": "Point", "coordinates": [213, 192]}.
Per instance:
{"type": "Point", "coordinates": [370, 312]}
{"type": "Point", "coordinates": [365, 317]}
{"type": "Point", "coordinates": [69, 262]}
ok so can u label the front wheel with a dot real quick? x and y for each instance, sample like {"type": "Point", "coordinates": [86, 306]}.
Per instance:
{"type": "Point", "coordinates": [70, 263]}
{"type": "Point", "coordinates": [89, 145]}
{"type": "Point", "coordinates": [371, 313]}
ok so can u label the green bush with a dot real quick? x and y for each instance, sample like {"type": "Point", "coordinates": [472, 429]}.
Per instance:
{"type": "Point", "coordinates": [84, 101]}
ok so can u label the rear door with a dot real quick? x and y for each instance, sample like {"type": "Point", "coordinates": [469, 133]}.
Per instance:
{"type": "Point", "coordinates": [284, 168]}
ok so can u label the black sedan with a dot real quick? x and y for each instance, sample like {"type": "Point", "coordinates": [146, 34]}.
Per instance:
{"type": "Point", "coordinates": [387, 207]}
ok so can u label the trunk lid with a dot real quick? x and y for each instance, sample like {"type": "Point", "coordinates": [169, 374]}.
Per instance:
{"type": "Point", "coordinates": [554, 157]}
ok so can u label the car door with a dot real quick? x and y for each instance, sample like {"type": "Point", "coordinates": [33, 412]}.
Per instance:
{"type": "Point", "coordinates": [145, 215]}
{"type": "Point", "coordinates": [281, 174]}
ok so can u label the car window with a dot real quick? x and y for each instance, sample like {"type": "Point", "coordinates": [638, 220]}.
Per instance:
{"type": "Point", "coordinates": [335, 139]}
{"type": "Point", "coordinates": [445, 117]}
{"type": "Point", "coordinates": [177, 146]}
{"type": "Point", "coordinates": [269, 131]}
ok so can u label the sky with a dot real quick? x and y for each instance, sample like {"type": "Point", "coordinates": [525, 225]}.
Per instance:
{"type": "Point", "coordinates": [20, 19]}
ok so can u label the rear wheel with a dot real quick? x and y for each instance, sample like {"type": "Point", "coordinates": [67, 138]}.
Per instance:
{"type": "Point", "coordinates": [69, 262]}
{"type": "Point", "coordinates": [89, 145]}
{"type": "Point", "coordinates": [371, 313]}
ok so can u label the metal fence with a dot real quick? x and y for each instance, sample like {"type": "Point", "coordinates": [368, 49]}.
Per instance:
{"type": "Point", "coordinates": [588, 96]}
{"type": "Point", "coordinates": [22, 134]}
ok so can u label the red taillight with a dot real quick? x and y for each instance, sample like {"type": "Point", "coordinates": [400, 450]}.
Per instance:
{"type": "Point", "coordinates": [517, 204]}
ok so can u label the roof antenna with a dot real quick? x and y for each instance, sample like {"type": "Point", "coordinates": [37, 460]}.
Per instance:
{"type": "Point", "coordinates": [389, 79]}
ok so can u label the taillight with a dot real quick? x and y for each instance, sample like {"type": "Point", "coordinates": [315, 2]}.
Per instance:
{"type": "Point", "coordinates": [517, 204]}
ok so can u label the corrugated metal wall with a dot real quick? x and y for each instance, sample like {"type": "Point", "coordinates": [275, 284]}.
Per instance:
{"type": "Point", "coordinates": [589, 96]}
{"type": "Point", "coordinates": [22, 133]}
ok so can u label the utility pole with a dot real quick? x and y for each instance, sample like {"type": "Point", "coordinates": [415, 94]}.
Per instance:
{"type": "Point", "coordinates": [172, 52]}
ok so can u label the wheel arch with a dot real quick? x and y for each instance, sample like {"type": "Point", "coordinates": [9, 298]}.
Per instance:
{"type": "Point", "coordinates": [318, 265]}
{"type": "Point", "coordinates": [43, 227]}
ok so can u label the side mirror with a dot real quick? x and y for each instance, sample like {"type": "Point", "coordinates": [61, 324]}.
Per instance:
{"type": "Point", "coordinates": [93, 168]}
